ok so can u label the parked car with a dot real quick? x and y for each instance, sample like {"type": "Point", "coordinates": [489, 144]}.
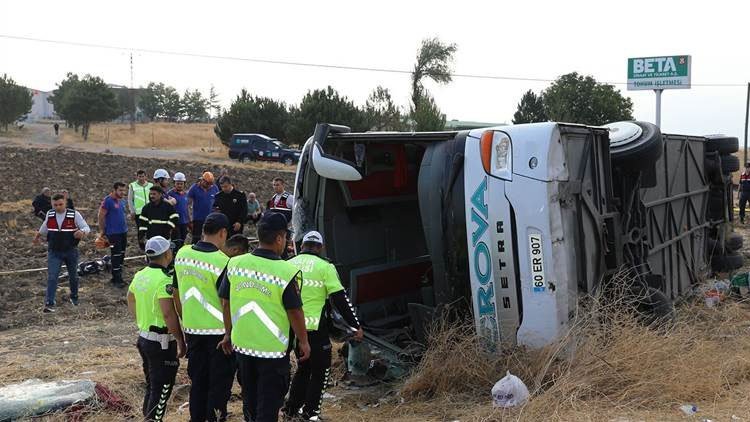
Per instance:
{"type": "Point", "coordinates": [257, 147]}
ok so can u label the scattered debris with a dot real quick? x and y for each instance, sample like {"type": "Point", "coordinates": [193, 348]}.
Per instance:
{"type": "Point", "coordinates": [689, 409]}
{"type": "Point", "coordinates": [510, 391]}
{"type": "Point", "coordinates": [36, 397]}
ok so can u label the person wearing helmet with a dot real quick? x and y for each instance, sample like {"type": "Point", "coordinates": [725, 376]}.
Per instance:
{"type": "Point", "coordinates": [179, 194]}
{"type": "Point", "coordinates": [160, 343]}
{"type": "Point", "coordinates": [320, 288]}
{"type": "Point", "coordinates": [161, 178]}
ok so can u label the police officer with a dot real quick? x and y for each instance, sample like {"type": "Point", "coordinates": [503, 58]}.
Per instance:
{"type": "Point", "coordinates": [158, 217]}
{"type": "Point", "coordinates": [197, 273]}
{"type": "Point", "coordinates": [320, 282]}
{"type": "Point", "coordinates": [281, 201]}
{"type": "Point", "coordinates": [64, 229]}
{"type": "Point", "coordinates": [160, 341]}
{"type": "Point", "coordinates": [264, 304]}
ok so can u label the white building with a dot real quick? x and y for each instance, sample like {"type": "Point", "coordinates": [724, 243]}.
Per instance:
{"type": "Point", "coordinates": [40, 107]}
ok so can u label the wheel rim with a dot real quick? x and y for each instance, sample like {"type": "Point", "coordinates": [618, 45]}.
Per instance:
{"type": "Point", "coordinates": [623, 133]}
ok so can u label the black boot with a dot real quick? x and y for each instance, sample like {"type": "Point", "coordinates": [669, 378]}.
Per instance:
{"type": "Point", "coordinates": [117, 281]}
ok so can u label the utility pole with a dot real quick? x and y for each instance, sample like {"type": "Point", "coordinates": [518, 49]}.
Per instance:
{"type": "Point", "coordinates": [132, 97]}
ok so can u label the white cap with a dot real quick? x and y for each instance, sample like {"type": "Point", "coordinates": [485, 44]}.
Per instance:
{"type": "Point", "coordinates": [157, 245]}
{"type": "Point", "coordinates": [161, 173]}
{"type": "Point", "coordinates": [313, 236]}
{"type": "Point", "coordinates": [179, 177]}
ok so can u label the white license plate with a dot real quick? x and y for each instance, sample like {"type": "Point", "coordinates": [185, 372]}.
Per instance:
{"type": "Point", "coordinates": [536, 258]}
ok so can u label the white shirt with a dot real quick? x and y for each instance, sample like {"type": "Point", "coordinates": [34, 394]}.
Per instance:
{"type": "Point", "coordinates": [289, 200]}
{"type": "Point", "coordinates": [80, 222]}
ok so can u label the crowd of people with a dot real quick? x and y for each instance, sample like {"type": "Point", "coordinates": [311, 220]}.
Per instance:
{"type": "Point", "coordinates": [157, 209]}
{"type": "Point", "coordinates": [232, 310]}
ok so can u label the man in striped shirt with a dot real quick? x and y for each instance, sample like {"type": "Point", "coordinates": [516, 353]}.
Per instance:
{"type": "Point", "coordinates": [158, 217]}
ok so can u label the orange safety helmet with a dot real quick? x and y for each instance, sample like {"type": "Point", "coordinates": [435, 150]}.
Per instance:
{"type": "Point", "coordinates": [208, 176]}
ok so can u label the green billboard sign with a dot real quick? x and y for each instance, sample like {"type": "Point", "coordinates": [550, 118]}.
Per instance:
{"type": "Point", "coordinates": [662, 72]}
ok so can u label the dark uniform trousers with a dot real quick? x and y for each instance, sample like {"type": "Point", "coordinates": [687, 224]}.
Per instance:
{"type": "Point", "coordinates": [310, 380]}
{"type": "Point", "coordinates": [181, 232]}
{"type": "Point", "coordinates": [197, 231]}
{"type": "Point", "coordinates": [744, 198]}
{"type": "Point", "coordinates": [211, 374]}
{"type": "Point", "coordinates": [160, 368]}
{"type": "Point", "coordinates": [264, 384]}
{"type": "Point", "coordinates": [117, 244]}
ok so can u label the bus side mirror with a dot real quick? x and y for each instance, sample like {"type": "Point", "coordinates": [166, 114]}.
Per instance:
{"type": "Point", "coordinates": [333, 168]}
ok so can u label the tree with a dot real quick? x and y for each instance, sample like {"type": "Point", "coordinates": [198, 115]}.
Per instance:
{"type": "Point", "coordinates": [171, 104]}
{"type": "Point", "coordinates": [581, 99]}
{"type": "Point", "coordinates": [250, 114]}
{"type": "Point", "coordinates": [67, 85]}
{"type": "Point", "coordinates": [194, 106]}
{"type": "Point", "coordinates": [427, 116]}
{"type": "Point", "coordinates": [530, 109]}
{"type": "Point", "coordinates": [15, 101]}
{"type": "Point", "coordinates": [151, 100]}
{"type": "Point", "coordinates": [213, 102]}
{"type": "Point", "coordinates": [89, 101]}
{"type": "Point", "coordinates": [381, 113]}
{"type": "Point", "coordinates": [433, 62]}
{"type": "Point", "coordinates": [324, 106]}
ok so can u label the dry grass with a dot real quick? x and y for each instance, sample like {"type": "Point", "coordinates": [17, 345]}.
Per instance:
{"type": "Point", "coordinates": [196, 139]}
{"type": "Point", "coordinates": [193, 136]}
{"type": "Point", "coordinates": [13, 132]}
{"type": "Point", "coordinates": [23, 205]}
{"type": "Point", "coordinates": [103, 352]}
{"type": "Point", "coordinates": [609, 363]}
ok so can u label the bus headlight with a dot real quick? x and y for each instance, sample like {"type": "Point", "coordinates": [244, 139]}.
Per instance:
{"type": "Point", "coordinates": [496, 153]}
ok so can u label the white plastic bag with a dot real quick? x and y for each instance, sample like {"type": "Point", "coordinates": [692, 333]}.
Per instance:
{"type": "Point", "coordinates": [510, 391]}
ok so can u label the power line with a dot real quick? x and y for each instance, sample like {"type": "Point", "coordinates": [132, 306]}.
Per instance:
{"type": "Point", "coordinates": [301, 64]}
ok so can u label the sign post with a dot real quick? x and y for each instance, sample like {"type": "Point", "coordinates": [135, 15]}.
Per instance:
{"type": "Point", "coordinates": [658, 74]}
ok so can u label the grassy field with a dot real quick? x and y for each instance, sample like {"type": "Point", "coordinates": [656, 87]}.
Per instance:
{"type": "Point", "coordinates": [178, 136]}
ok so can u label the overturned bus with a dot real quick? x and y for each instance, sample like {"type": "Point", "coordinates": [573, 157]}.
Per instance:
{"type": "Point", "coordinates": [514, 223]}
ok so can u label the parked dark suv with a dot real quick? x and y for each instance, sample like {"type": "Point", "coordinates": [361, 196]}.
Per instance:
{"type": "Point", "coordinates": [256, 147]}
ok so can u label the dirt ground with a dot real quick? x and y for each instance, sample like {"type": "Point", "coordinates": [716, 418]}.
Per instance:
{"type": "Point", "coordinates": [96, 340]}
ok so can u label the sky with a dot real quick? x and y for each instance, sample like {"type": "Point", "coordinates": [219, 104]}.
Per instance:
{"type": "Point", "coordinates": [530, 39]}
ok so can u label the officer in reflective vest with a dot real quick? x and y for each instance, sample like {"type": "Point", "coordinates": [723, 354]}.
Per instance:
{"type": "Point", "coordinates": [138, 195]}
{"type": "Point", "coordinates": [282, 201]}
{"type": "Point", "coordinates": [64, 228]}
{"type": "Point", "coordinates": [261, 302]}
{"type": "Point", "coordinates": [320, 282]}
{"type": "Point", "coordinates": [160, 340]}
{"type": "Point", "coordinates": [198, 269]}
